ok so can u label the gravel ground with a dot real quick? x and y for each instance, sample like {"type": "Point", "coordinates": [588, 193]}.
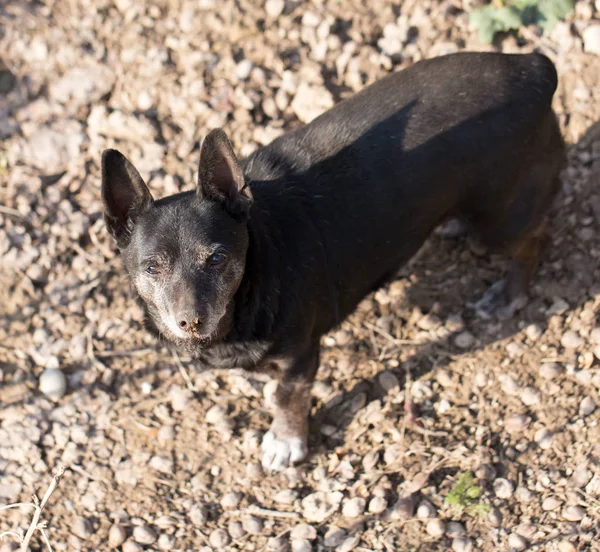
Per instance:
{"type": "Point", "coordinates": [160, 457]}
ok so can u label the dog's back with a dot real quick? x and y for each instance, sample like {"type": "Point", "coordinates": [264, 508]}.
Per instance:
{"type": "Point", "coordinates": [367, 182]}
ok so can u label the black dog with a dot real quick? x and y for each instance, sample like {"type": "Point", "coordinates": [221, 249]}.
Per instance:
{"type": "Point", "coordinates": [268, 254]}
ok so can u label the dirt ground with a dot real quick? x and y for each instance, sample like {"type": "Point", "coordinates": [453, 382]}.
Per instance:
{"type": "Point", "coordinates": [168, 458]}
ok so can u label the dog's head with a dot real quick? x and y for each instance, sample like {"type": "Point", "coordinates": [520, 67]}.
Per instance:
{"type": "Point", "coordinates": [185, 253]}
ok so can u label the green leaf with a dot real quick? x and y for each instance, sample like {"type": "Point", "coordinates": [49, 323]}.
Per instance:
{"type": "Point", "coordinates": [552, 11]}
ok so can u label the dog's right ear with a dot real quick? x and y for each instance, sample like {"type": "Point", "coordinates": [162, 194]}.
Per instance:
{"type": "Point", "coordinates": [125, 196]}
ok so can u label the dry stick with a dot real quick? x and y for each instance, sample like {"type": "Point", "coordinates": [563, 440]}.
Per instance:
{"type": "Point", "coordinates": [183, 372]}
{"type": "Point", "coordinates": [39, 506]}
{"type": "Point", "coordinates": [262, 512]}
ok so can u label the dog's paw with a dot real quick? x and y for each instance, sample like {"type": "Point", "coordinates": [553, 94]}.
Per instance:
{"type": "Point", "coordinates": [495, 302]}
{"type": "Point", "coordinates": [279, 453]}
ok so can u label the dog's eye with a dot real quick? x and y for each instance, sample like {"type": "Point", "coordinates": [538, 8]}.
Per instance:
{"type": "Point", "coordinates": [153, 269]}
{"type": "Point", "coordinates": [216, 258]}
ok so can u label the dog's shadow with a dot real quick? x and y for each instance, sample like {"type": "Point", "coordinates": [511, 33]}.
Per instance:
{"type": "Point", "coordinates": [442, 279]}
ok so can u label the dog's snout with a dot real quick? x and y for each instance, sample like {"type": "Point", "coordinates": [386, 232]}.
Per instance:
{"type": "Point", "coordinates": [189, 323]}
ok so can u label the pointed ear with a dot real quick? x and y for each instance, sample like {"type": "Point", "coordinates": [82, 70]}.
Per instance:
{"type": "Point", "coordinates": [124, 194]}
{"type": "Point", "coordinates": [220, 177]}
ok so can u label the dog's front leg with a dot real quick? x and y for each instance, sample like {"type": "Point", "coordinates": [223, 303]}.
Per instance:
{"type": "Point", "coordinates": [286, 441]}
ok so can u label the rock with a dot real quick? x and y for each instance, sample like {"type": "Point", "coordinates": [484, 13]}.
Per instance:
{"type": "Point", "coordinates": [573, 513]}
{"type": "Point", "coordinates": [231, 500]}
{"type": "Point", "coordinates": [531, 396]}
{"type": "Point", "coordinates": [236, 530]}
{"type": "Point", "coordinates": [377, 505]}
{"type": "Point", "coordinates": [389, 382]}
{"type": "Point", "coordinates": [216, 414]}
{"type": "Point", "coordinates": [591, 39]}
{"type": "Point", "coordinates": [425, 510]}
{"type": "Point", "coordinates": [566, 546]}
{"type": "Point", "coordinates": [495, 517]}
{"type": "Point", "coordinates": [455, 529]}
{"type": "Point", "coordinates": [551, 370]}
{"type": "Point", "coordinates": [179, 398]}
{"type": "Point", "coordinates": [198, 515]}
{"type": "Point", "coordinates": [166, 542]}
{"type": "Point", "coordinates": [144, 535]}
{"type": "Point", "coordinates": [219, 539]}
{"type": "Point", "coordinates": [516, 542]}
{"type": "Point", "coordinates": [243, 68]}
{"type": "Point", "coordinates": [82, 85]}
{"type": "Point", "coordinates": [551, 503]}
{"type": "Point", "coordinates": [301, 545]}
{"type": "Point", "coordinates": [394, 36]}
{"type": "Point", "coordinates": [286, 496]}
{"type": "Point", "coordinates": [53, 383]}
{"type": "Point", "coordinates": [571, 340]}
{"type": "Point", "coordinates": [403, 508]}
{"type": "Point", "coordinates": [274, 8]}
{"type": "Point", "coordinates": [464, 340]}
{"type": "Point", "coordinates": [116, 536]}
{"type": "Point", "coordinates": [533, 332]}
{"type": "Point", "coordinates": [162, 464]}
{"type": "Point", "coordinates": [462, 544]}
{"type": "Point", "coordinates": [436, 528]}
{"type": "Point", "coordinates": [503, 488]}
{"type": "Point", "coordinates": [543, 438]}
{"type": "Point", "coordinates": [53, 148]}
{"type": "Point", "coordinates": [277, 544]}
{"type": "Point", "coordinates": [166, 433]}
{"type": "Point", "coordinates": [253, 525]}
{"type": "Point", "coordinates": [580, 477]}
{"type": "Point", "coordinates": [516, 422]}
{"type": "Point", "coordinates": [318, 506]}
{"type": "Point", "coordinates": [587, 406]}
{"type": "Point", "coordinates": [354, 507]}
{"type": "Point", "coordinates": [595, 337]}
{"type": "Point", "coordinates": [82, 528]}
{"type": "Point", "coordinates": [131, 546]}
{"type": "Point", "coordinates": [334, 536]}
{"type": "Point", "coordinates": [303, 531]}
{"type": "Point", "coordinates": [310, 101]}
{"type": "Point", "coordinates": [348, 544]}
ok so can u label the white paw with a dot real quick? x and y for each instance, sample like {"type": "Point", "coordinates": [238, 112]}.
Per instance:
{"type": "Point", "coordinates": [278, 454]}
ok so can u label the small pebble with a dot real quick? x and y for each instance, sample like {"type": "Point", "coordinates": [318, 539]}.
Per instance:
{"type": "Point", "coordinates": [276, 544]}
{"type": "Point", "coordinates": [516, 422]}
{"type": "Point", "coordinates": [533, 332]}
{"type": "Point", "coordinates": [573, 513]}
{"type": "Point", "coordinates": [253, 525]}
{"type": "Point", "coordinates": [301, 545]}
{"type": "Point", "coordinates": [571, 340]}
{"type": "Point", "coordinates": [348, 544]}
{"type": "Point", "coordinates": [566, 546]}
{"type": "Point", "coordinates": [334, 536]}
{"type": "Point", "coordinates": [354, 507]}
{"type": "Point", "coordinates": [503, 488]}
{"type": "Point", "coordinates": [436, 527]}
{"type": "Point", "coordinates": [517, 542]}
{"type": "Point", "coordinates": [53, 383]}
{"type": "Point", "coordinates": [286, 496]}
{"type": "Point", "coordinates": [455, 529]}
{"type": "Point", "coordinates": [231, 500]}
{"type": "Point", "coordinates": [370, 460]}
{"type": "Point", "coordinates": [236, 530]}
{"type": "Point", "coordinates": [551, 370]}
{"type": "Point", "coordinates": [131, 546]}
{"type": "Point", "coordinates": [543, 438]}
{"type": "Point", "coordinates": [486, 472]}
{"type": "Point", "coordinates": [510, 386]}
{"type": "Point", "coordinates": [580, 477]}
{"type": "Point", "coordinates": [216, 414]}
{"type": "Point", "coordinates": [388, 381]}
{"type": "Point", "coordinates": [495, 517]}
{"type": "Point", "coordinates": [595, 337]}
{"type": "Point", "coordinates": [274, 8]}
{"type": "Point", "coordinates": [531, 396]}
{"type": "Point", "coordinates": [403, 508]}
{"type": "Point", "coordinates": [219, 538]}
{"type": "Point", "coordinates": [254, 471]}
{"type": "Point", "coordinates": [116, 535]}
{"type": "Point", "coordinates": [144, 535]}
{"type": "Point", "coordinates": [179, 398]}
{"type": "Point", "coordinates": [425, 510]}
{"type": "Point", "coordinates": [462, 544]}
{"type": "Point", "coordinates": [166, 542]}
{"type": "Point", "coordinates": [464, 340]}
{"type": "Point", "coordinates": [551, 503]}
{"type": "Point", "coordinates": [377, 505]}
{"type": "Point", "coordinates": [162, 464]}
{"type": "Point", "coordinates": [587, 406]}
{"type": "Point", "coordinates": [303, 531]}
{"type": "Point", "coordinates": [166, 433]}
{"type": "Point", "coordinates": [198, 515]}
{"type": "Point", "coordinates": [524, 494]}
{"type": "Point", "coordinates": [82, 528]}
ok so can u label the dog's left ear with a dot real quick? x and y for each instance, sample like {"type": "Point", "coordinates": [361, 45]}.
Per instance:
{"type": "Point", "coordinates": [220, 177]}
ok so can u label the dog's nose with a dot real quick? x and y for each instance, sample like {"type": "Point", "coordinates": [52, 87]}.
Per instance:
{"type": "Point", "coordinates": [189, 324]}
